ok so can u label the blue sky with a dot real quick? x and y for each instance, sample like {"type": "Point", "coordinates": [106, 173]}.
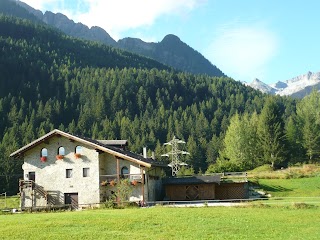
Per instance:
{"type": "Point", "coordinates": [272, 40]}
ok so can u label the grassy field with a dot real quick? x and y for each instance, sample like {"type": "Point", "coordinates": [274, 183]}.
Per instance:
{"type": "Point", "coordinates": [9, 202]}
{"type": "Point", "coordinates": [292, 187]}
{"type": "Point", "coordinates": [294, 216]}
{"type": "Point", "coordinates": [166, 223]}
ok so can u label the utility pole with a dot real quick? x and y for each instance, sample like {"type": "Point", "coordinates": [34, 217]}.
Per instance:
{"type": "Point", "coordinates": [175, 152]}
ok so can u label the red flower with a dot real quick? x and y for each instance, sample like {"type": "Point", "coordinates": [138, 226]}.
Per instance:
{"type": "Point", "coordinates": [134, 182]}
{"type": "Point", "coordinates": [43, 159]}
{"type": "Point", "coordinates": [112, 183]}
{"type": "Point", "coordinates": [59, 157]}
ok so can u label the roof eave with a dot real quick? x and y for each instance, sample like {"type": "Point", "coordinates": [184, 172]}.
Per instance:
{"type": "Point", "coordinates": [22, 150]}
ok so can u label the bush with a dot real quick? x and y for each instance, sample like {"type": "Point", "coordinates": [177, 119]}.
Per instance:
{"type": "Point", "coordinates": [110, 203]}
{"type": "Point", "coordinates": [223, 166]}
{"type": "Point", "coordinates": [263, 168]}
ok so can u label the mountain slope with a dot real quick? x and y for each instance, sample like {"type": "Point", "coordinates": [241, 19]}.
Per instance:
{"type": "Point", "coordinates": [49, 80]}
{"type": "Point", "coordinates": [10, 7]}
{"type": "Point", "coordinates": [39, 45]}
{"type": "Point", "coordinates": [299, 86]}
{"type": "Point", "coordinates": [173, 52]}
{"type": "Point", "coordinates": [259, 85]}
{"type": "Point", "coordinates": [170, 51]}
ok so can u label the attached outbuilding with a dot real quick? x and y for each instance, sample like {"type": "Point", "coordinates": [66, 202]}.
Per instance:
{"type": "Point", "coordinates": [216, 187]}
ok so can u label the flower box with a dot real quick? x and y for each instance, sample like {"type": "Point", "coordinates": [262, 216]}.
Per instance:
{"type": "Point", "coordinates": [104, 183]}
{"type": "Point", "coordinates": [77, 155]}
{"type": "Point", "coordinates": [43, 159]}
{"type": "Point", "coordinates": [59, 157]}
{"type": "Point", "coordinates": [134, 182]}
{"type": "Point", "coordinates": [112, 183]}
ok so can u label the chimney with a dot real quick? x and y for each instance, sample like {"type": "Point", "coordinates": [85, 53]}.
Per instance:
{"type": "Point", "coordinates": [145, 152]}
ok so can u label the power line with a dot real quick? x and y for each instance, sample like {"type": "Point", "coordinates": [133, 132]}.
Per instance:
{"type": "Point", "coordinates": [175, 152]}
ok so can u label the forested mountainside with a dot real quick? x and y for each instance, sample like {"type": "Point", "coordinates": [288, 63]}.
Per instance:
{"type": "Point", "coordinates": [68, 80]}
{"type": "Point", "coordinates": [170, 51]}
{"type": "Point", "coordinates": [49, 80]}
{"type": "Point", "coordinates": [11, 8]}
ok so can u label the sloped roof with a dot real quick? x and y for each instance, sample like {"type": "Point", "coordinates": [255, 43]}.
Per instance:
{"type": "Point", "coordinates": [114, 142]}
{"type": "Point", "coordinates": [97, 144]}
{"type": "Point", "coordinates": [192, 180]}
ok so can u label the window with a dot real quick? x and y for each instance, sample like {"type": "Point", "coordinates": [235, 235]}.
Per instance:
{"type": "Point", "coordinates": [124, 172]}
{"type": "Point", "coordinates": [61, 151]}
{"type": "Point", "coordinates": [32, 176]}
{"type": "Point", "coordinates": [68, 173]}
{"type": "Point", "coordinates": [44, 152]}
{"type": "Point", "coordinates": [78, 150]}
{"type": "Point", "coordinates": [85, 172]}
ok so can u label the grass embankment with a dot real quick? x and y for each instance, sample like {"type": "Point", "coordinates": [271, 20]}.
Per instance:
{"type": "Point", "coordinates": [299, 187]}
{"type": "Point", "coordinates": [166, 223]}
{"type": "Point", "coordinates": [291, 185]}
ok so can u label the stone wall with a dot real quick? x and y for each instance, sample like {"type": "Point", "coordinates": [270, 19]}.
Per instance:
{"type": "Point", "coordinates": [51, 175]}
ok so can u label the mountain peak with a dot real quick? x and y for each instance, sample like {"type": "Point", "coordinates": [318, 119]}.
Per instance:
{"type": "Point", "coordinates": [171, 38]}
{"type": "Point", "coordinates": [256, 80]}
{"type": "Point", "coordinates": [257, 84]}
{"type": "Point", "coordinates": [299, 86]}
{"type": "Point", "coordinates": [170, 51]}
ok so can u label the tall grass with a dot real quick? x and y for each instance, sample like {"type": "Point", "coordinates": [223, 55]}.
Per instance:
{"type": "Point", "coordinates": [266, 172]}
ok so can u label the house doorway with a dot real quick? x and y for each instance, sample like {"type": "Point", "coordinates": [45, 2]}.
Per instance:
{"type": "Point", "coordinates": [71, 199]}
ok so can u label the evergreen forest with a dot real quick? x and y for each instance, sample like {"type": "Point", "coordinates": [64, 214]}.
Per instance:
{"type": "Point", "coordinates": [49, 80]}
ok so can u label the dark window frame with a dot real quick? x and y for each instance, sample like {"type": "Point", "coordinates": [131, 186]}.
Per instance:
{"type": "Point", "coordinates": [69, 172]}
{"type": "Point", "coordinates": [86, 172]}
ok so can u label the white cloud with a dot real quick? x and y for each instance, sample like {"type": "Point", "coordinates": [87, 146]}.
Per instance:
{"type": "Point", "coordinates": [243, 52]}
{"type": "Point", "coordinates": [39, 4]}
{"type": "Point", "coordinates": [121, 15]}
{"type": "Point", "coordinates": [117, 16]}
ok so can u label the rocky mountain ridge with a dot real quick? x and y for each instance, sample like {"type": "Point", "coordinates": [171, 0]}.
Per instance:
{"type": "Point", "coordinates": [170, 51]}
{"type": "Point", "coordinates": [298, 87]}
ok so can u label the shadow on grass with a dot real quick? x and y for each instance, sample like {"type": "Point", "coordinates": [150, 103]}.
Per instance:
{"type": "Point", "coordinates": [274, 188]}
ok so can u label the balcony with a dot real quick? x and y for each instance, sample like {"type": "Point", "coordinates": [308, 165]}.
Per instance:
{"type": "Point", "coordinates": [131, 177]}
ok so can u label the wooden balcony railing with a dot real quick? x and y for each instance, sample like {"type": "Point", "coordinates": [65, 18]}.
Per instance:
{"type": "Point", "coordinates": [115, 177]}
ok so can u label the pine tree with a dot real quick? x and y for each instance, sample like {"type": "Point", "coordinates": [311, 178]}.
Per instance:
{"type": "Point", "coordinates": [308, 114]}
{"type": "Point", "coordinates": [271, 133]}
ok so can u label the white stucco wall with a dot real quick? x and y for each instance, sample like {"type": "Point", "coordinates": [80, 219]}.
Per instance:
{"type": "Point", "coordinates": [51, 175]}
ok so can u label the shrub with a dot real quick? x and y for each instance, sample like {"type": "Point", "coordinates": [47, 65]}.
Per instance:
{"type": "Point", "coordinates": [263, 168]}
{"type": "Point", "coordinates": [223, 166]}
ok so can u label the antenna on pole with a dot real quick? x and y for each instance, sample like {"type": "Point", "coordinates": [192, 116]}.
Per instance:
{"type": "Point", "coordinates": [175, 152]}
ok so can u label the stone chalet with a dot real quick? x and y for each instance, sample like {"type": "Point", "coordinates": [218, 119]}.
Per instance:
{"type": "Point", "coordinates": [61, 168]}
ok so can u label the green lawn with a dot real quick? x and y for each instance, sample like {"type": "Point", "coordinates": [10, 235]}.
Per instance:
{"type": "Point", "coordinates": [9, 202]}
{"type": "Point", "coordinates": [291, 191]}
{"type": "Point", "coordinates": [166, 223]}
{"type": "Point", "coordinates": [299, 187]}
{"type": "Point", "coordinates": [273, 220]}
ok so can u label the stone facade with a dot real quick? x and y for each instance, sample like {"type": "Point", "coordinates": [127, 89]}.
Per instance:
{"type": "Point", "coordinates": [51, 175]}
{"type": "Point", "coordinates": [84, 179]}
